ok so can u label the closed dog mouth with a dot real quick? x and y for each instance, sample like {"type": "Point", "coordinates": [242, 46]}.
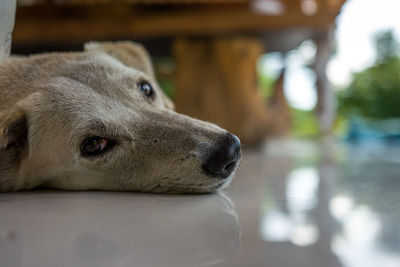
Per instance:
{"type": "Point", "coordinates": [184, 188]}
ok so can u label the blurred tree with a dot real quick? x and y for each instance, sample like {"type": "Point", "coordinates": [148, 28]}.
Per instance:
{"type": "Point", "coordinates": [386, 46]}
{"type": "Point", "coordinates": [375, 91]}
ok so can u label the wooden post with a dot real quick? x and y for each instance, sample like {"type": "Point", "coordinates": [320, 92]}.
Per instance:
{"type": "Point", "coordinates": [280, 118]}
{"type": "Point", "coordinates": [7, 16]}
{"type": "Point", "coordinates": [216, 80]}
{"type": "Point", "coordinates": [325, 108]}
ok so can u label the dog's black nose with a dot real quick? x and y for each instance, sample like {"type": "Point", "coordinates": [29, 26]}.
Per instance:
{"type": "Point", "coordinates": [225, 158]}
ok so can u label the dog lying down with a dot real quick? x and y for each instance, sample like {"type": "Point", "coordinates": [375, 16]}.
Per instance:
{"type": "Point", "coordinates": [97, 120]}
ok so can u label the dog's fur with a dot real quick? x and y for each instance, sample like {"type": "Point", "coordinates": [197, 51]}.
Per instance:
{"type": "Point", "coordinates": [51, 102]}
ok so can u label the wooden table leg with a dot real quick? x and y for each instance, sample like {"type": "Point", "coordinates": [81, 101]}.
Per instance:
{"type": "Point", "coordinates": [216, 80]}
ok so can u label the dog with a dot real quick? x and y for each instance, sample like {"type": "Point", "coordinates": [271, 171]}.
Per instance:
{"type": "Point", "coordinates": [98, 120]}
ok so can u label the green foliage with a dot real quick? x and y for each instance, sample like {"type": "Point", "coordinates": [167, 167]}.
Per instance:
{"type": "Point", "coordinates": [266, 84]}
{"type": "Point", "coordinates": [304, 123]}
{"type": "Point", "coordinates": [375, 91]}
{"type": "Point", "coordinates": [168, 87]}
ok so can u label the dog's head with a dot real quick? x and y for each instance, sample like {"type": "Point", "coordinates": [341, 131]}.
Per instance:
{"type": "Point", "coordinates": [98, 120]}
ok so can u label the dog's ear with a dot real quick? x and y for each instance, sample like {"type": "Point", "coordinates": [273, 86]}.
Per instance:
{"type": "Point", "coordinates": [132, 55]}
{"type": "Point", "coordinates": [13, 130]}
{"type": "Point", "coordinates": [14, 139]}
{"type": "Point", "coordinates": [13, 145]}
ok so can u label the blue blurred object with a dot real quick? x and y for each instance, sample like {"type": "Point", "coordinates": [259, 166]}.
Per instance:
{"type": "Point", "coordinates": [373, 129]}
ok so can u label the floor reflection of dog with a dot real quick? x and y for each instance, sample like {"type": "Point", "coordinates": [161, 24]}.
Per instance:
{"type": "Point", "coordinates": [98, 120]}
{"type": "Point", "coordinates": [116, 229]}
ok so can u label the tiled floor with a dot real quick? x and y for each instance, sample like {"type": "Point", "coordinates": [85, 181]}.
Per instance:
{"type": "Point", "coordinates": [291, 204]}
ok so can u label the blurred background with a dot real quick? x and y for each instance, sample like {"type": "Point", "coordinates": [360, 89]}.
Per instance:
{"type": "Point", "coordinates": [260, 68]}
{"type": "Point", "coordinates": [318, 79]}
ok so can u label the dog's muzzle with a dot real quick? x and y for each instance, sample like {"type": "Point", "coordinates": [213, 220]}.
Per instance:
{"type": "Point", "coordinates": [224, 159]}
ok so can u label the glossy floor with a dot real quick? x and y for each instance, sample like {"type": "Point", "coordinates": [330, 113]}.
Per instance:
{"type": "Point", "coordinates": [291, 204]}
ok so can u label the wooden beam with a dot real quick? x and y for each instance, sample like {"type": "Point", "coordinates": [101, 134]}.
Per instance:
{"type": "Point", "coordinates": [332, 3]}
{"type": "Point", "coordinates": [136, 2]}
{"type": "Point", "coordinates": [44, 24]}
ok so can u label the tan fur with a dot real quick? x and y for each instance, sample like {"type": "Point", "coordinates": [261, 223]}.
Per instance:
{"type": "Point", "coordinates": [49, 103]}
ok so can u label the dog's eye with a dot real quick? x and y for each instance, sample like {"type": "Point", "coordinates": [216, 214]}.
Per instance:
{"type": "Point", "coordinates": [94, 145]}
{"type": "Point", "coordinates": [147, 89]}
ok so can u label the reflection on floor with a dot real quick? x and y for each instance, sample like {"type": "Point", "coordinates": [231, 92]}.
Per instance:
{"type": "Point", "coordinates": [291, 204]}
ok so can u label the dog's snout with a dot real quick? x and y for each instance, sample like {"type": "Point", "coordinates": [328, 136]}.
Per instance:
{"type": "Point", "coordinates": [225, 158]}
